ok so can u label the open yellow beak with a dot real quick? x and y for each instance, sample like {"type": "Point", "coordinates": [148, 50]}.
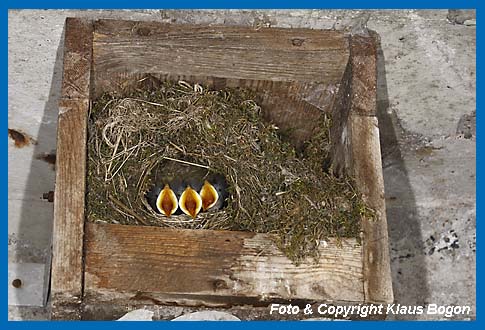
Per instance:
{"type": "Point", "coordinates": [209, 195]}
{"type": "Point", "coordinates": [167, 201]}
{"type": "Point", "coordinates": [190, 202]}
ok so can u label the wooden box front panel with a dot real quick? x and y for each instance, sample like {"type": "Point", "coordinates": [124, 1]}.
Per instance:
{"type": "Point", "coordinates": [144, 265]}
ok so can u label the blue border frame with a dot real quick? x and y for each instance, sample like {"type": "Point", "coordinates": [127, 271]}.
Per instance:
{"type": "Point", "coordinates": [216, 4]}
{"type": "Point", "coordinates": [221, 4]}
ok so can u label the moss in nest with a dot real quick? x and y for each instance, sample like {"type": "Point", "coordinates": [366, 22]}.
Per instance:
{"type": "Point", "coordinates": [152, 137]}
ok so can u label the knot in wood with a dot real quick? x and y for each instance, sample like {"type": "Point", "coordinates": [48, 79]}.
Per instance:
{"type": "Point", "coordinates": [219, 284]}
{"type": "Point", "coordinates": [143, 31]}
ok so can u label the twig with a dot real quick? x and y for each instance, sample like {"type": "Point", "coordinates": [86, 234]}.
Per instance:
{"type": "Point", "coordinates": [122, 164]}
{"type": "Point", "coordinates": [114, 153]}
{"type": "Point", "coordinates": [127, 210]}
{"type": "Point", "coordinates": [144, 101]}
{"type": "Point", "coordinates": [177, 147]}
{"type": "Point", "coordinates": [311, 202]}
{"type": "Point", "coordinates": [232, 159]}
{"type": "Point", "coordinates": [184, 162]}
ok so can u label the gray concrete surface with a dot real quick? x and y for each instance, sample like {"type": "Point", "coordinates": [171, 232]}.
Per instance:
{"type": "Point", "coordinates": [426, 116]}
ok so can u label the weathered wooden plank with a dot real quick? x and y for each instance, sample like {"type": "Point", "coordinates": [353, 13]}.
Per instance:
{"type": "Point", "coordinates": [218, 268]}
{"type": "Point", "coordinates": [67, 249]}
{"type": "Point", "coordinates": [78, 43]}
{"type": "Point", "coordinates": [68, 231]}
{"type": "Point", "coordinates": [363, 61]}
{"type": "Point", "coordinates": [367, 170]}
{"type": "Point", "coordinates": [356, 150]}
{"type": "Point", "coordinates": [227, 37]}
{"type": "Point", "coordinates": [365, 164]}
{"type": "Point", "coordinates": [224, 52]}
{"type": "Point", "coordinates": [339, 132]}
{"type": "Point", "coordinates": [277, 65]}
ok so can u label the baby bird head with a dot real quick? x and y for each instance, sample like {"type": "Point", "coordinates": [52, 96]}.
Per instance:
{"type": "Point", "coordinates": [214, 192]}
{"type": "Point", "coordinates": [167, 202]}
{"type": "Point", "coordinates": [190, 202]}
{"type": "Point", "coordinates": [209, 195]}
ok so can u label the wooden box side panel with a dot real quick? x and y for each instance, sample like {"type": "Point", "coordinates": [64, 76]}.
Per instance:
{"type": "Point", "coordinates": [368, 175]}
{"type": "Point", "coordinates": [68, 230]}
{"type": "Point", "coordinates": [130, 265]}
{"type": "Point", "coordinates": [356, 150]}
{"type": "Point", "coordinates": [366, 166]}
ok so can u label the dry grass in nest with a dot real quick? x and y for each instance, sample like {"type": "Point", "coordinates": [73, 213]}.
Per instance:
{"type": "Point", "coordinates": [152, 137]}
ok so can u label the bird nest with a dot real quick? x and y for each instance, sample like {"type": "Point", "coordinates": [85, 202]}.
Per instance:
{"type": "Point", "coordinates": [150, 137]}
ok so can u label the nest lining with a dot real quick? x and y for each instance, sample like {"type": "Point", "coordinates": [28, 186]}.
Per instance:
{"type": "Point", "coordinates": [151, 137]}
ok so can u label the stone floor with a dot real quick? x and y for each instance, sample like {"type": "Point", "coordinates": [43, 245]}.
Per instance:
{"type": "Point", "coordinates": [426, 105]}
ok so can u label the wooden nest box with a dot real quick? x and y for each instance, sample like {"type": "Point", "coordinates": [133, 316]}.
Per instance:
{"type": "Point", "coordinates": [297, 73]}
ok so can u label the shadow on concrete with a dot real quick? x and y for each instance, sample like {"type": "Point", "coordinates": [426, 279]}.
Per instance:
{"type": "Point", "coordinates": [46, 138]}
{"type": "Point", "coordinates": [408, 268]}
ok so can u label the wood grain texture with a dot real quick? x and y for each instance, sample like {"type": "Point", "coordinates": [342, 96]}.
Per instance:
{"type": "Point", "coordinates": [214, 268]}
{"type": "Point", "coordinates": [339, 132]}
{"type": "Point", "coordinates": [67, 250]}
{"type": "Point", "coordinates": [367, 167]}
{"type": "Point", "coordinates": [367, 170]}
{"type": "Point", "coordinates": [363, 61]}
{"type": "Point", "coordinates": [223, 36]}
{"type": "Point", "coordinates": [223, 52]}
{"type": "Point", "coordinates": [78, 43]}
{"type": "Point", "coordinates": [68, 231]}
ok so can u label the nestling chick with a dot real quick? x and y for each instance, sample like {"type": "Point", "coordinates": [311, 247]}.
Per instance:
{"type": "Point", "coordinates": [190, 202]}
{"type": "Point", "coordinates": [214, 192]}
{"type": "Point", "coordinates": [209, 195]}
{"type": "Point", "coordinates": [167, 202]}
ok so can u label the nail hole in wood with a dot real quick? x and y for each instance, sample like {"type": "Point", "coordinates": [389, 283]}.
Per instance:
{"type": "Point", "coordinates": [297, 42]}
